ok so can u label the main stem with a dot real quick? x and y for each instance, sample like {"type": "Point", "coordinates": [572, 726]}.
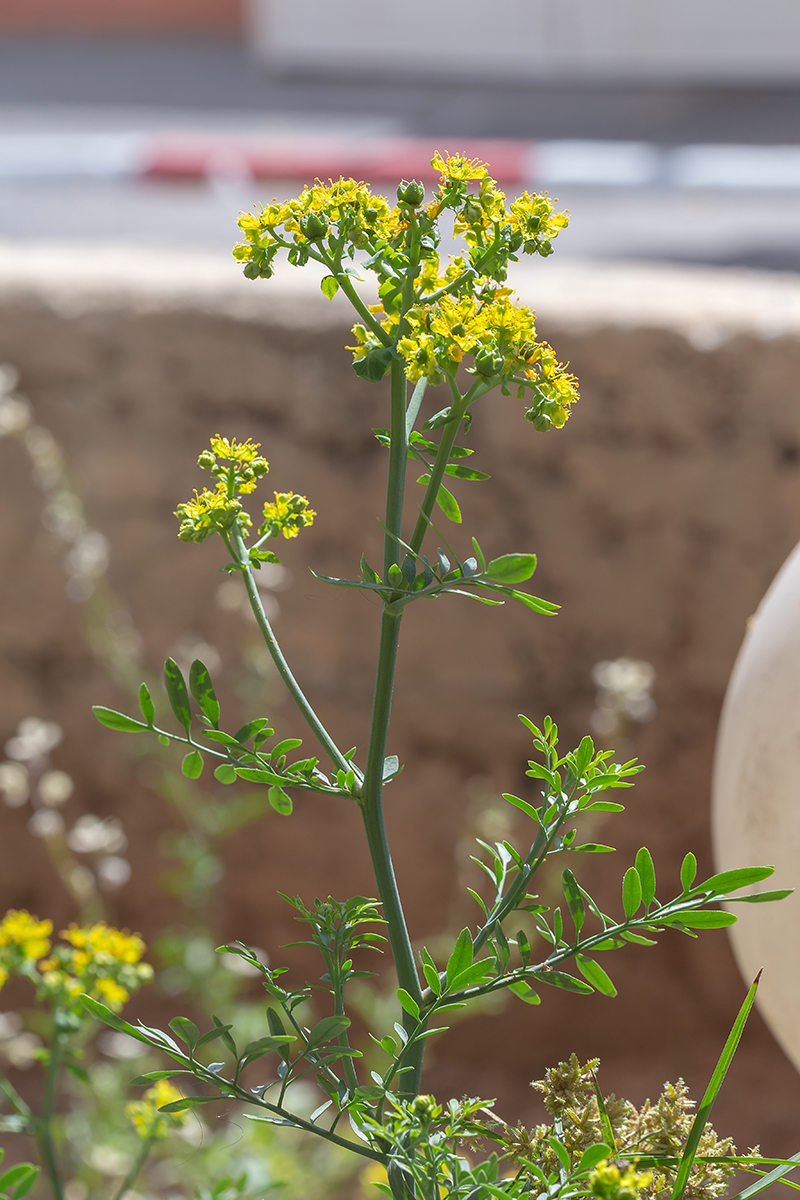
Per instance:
{"type": "Point", "coordinates": [372, 787]}
{"type": "Point", "coordinates": [44, 1135]}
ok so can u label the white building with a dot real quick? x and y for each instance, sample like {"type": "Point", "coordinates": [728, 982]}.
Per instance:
{"type": "Point", "coordinates": [670, 41]}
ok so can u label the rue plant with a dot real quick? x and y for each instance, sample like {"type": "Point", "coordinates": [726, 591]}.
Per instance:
{"type": "Point", "coordinates": [455, 327]}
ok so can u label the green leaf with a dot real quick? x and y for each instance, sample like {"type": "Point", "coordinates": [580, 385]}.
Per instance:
{"type": "Point", "coordinates": [764, 897]}
{"type": "Point", "coordinates": [374, 365]}
{"type": "Point", "coordinates": [711, 1093]}
{"type": "Point", "coordinates": [574, 899]}
{"type": "Point", "coordinates": [176, 693]}
{"type": "Point", "coordinates": [593, 848]}
{"type": "Point", "coordinates": [326, 1030]}
{"type": "Point", "coordinates": [104, 1014]}
{"type": "Point", "coordinates": [605, 1120]}
{"type": "Point", "coordinates": [225, 773]}
{"type": "Point", "coordinates": [594, 1155]}
{"type": "Point", "coordinates": [465, 472]}
{"type": "Point", "coordinates": [185, 1029]}
{"type": "Point", "coordinates": [562, 1154]}
{"type": "Point", "coordinates": [280, 801]}
{"type": "Point", "coordinates": [203, 691]}
{"type": "Point", "coordinates": [442, 417]}
{"type": "Point", "coordinates": [264, 1045]}
{"type": "Point", "coordinates": [647, 874]}
{"type": "Point", "coordinates": [154, 1076]}
{"type": "Point", "coordinates": [254, 775]}
{"type": "Point", "coordinates": [146, 704]}
{"type": "Point", "coordinates": [512, 568]}
{"type": "Point", "coordinates": [688, 871]}
{"type": "Point", "coordinates": [285, 746]}
{"type": "Point", "coordinates": [461, 957]}
{"type": "Point", "coordinates": [560, 979]}
{"type": "Point", "coordinates": [472, 976]}
{"type": "Point", "coordinates": [188, 1102]}
{"type": "Point", "coordinates": [729, 881]}
{"type": "Point", "coordinates": [631, 892]}
{"type": "Point", "coordinates": [408, 1003]}
{"type": "Point", "coordinates": [594, 974]}
{"type": "Point", "coordinates": [432, 976]}
{"type": "Point", "coordinates": [192, 765]}
{"type": "Point", "coordinates": [446, 501]}
{"type": "Point", "coordinates": [251, 729]}
{"type": "Point", "coordinates": [329, 286]}
{"type": "Point", "coordinates": [212, 1035]}
{"type": "Point", "coordinates": [524, 991]}
{"type": "Point", "coordinates": [19, 1180]}
{"type": "Point", "coordinates": [523, 805]}
{"type": "Point", "coordinates": [448, 504]}
{"type": "Point", "coordinates": [116, 720]}
{"type": "Point", "coordinates": [711, 919]}
{"type": "Point", "coordinates": [367, 572]}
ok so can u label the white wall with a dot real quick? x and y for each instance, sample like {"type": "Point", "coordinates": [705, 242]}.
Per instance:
{"type": "Point", "coordinates": [535, 39]}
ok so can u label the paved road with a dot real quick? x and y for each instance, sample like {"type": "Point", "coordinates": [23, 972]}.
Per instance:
{"type": "Point", "coordinates": [220, 74]}
{"type": "Point", "coordinates": [138, 84]}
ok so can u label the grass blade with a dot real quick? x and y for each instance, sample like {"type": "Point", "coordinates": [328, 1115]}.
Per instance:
{"type": "Point", "coordinates": [711, 1093]}
{"type": "Point", "coordinates": [766, 1180]}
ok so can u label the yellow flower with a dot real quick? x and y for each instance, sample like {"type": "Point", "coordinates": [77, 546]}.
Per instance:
{"type": "Point", "coordinates": [455, 168]}
{"type": "Point", "coordinates": [288, 515]}
{"type": "Point", "coordinates": [147, 1120]}
{"type": "Point", "coordinates": [99, 961]}
{"type": "Point", "coordinates": [209, 512]}
{"type": "Point", "coordinates": [102, 939]}
{"type": "Point", "coordinates": [27, 934]}
{"type": "Point", "coordinates": [610, 1182]}
{"type": "Point", "coordinates": [233, 451]}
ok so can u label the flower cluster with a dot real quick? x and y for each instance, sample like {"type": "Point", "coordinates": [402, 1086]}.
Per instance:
{"type": "Point", "coordinates": [210, 512]}
{"type": "Point", "coordinates": [342, 210]}
{"type": "Point", "coordinates": [238, 467]}
{"type": "Point", "coordinates": [428, 316]}
{"type": "Point", "coordinates": [288, 515]}
{"type": "Point", "coordinates": [99, 961]}
{"type": "Point", "coordinates": [149, 1123]}
{"type": "Point", "coordinates": [23, 939]}
{"type": "Point", "coordinates": [236, 464]}
{"type": "Point", "coordinates": [661, 1128]}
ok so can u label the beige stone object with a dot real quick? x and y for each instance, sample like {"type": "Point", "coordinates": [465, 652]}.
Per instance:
{"type": "Point", "coordinates": [756, 798]}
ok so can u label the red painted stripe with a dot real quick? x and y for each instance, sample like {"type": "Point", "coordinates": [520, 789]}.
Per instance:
{"type": "Point", "coordinates": [385, 159]}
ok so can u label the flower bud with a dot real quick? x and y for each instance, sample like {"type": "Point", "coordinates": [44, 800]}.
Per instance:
{"type": "Point", "coordinates": [314, 226]}
{"type": "Point", "coordinates": [411, 192]}
{"type": "Point", "coordinates": [489, 362]}
{"type": "Point", "coordinates": [206, 460]}
{"type": "Point", "coordinates": [423, 1107]}
{"type": "Point", "coordinates": [545, 248]}
{"type": "Point", "coordinates": [472, 211]}
{"type": "Point", "coordinates": [540, 421]}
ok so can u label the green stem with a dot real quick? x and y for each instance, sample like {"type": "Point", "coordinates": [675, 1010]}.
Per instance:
{"type": "Point", "coordinates": [14, 1099]}
{"type": "Point", "coordinates": [398, 458]}
{"type": "Point", "coordinates": [44, 1135]}
{"type": "Point", "coordinates": [319, 730]}
{"type": "Point", "coordinates": [372, 787]}
{"type": "Point", "coordinates": [138, 1163]}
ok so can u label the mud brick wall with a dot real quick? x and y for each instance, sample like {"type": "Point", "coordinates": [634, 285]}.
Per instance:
{"type": "Point", "coordinates": [659, 514]}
